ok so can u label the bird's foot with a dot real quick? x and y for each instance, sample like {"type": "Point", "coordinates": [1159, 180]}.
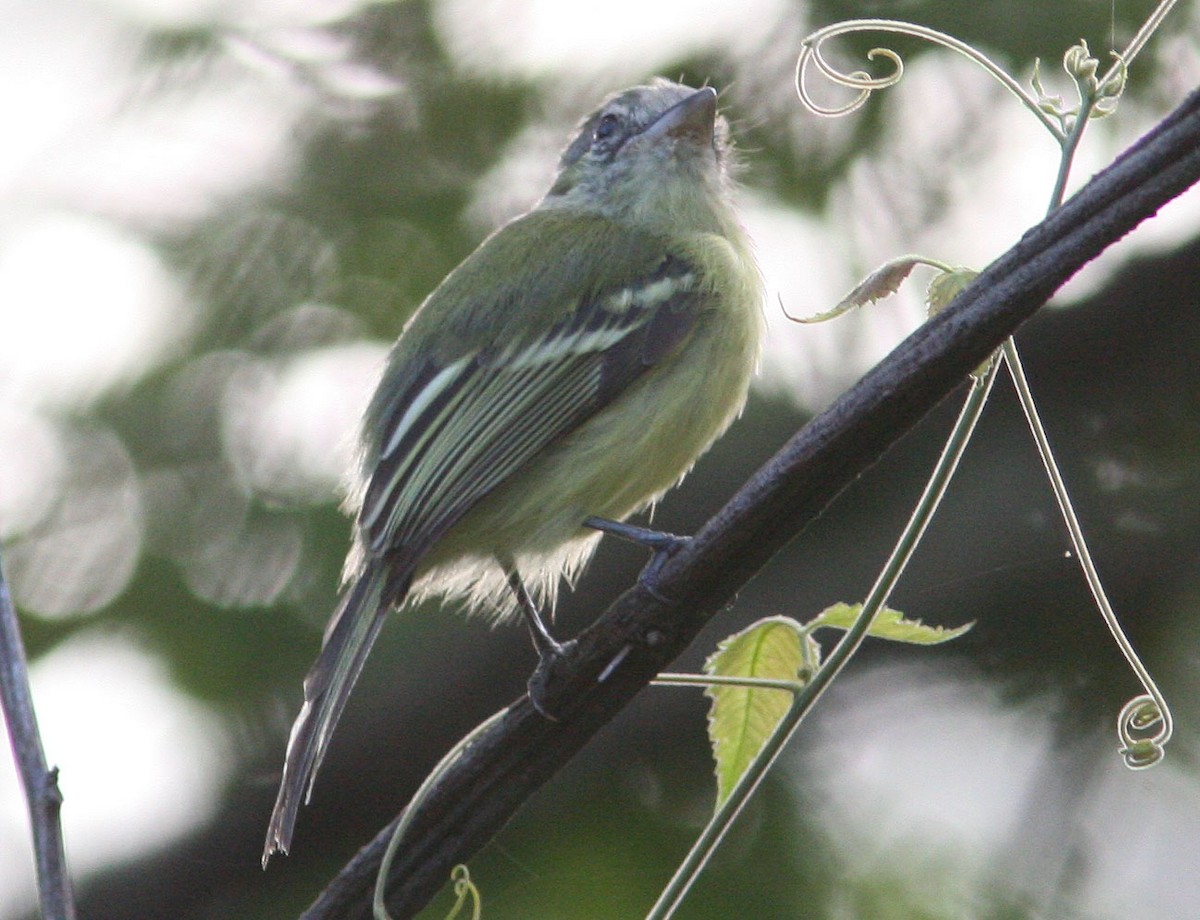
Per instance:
{"type": "Point", "coordinates": [543, 674]}
{"type": "Point", "coordinates": [662, 546]}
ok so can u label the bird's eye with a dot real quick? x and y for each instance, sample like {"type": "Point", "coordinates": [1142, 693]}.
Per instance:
{"type": "Point", "coordinates": [606, 128]}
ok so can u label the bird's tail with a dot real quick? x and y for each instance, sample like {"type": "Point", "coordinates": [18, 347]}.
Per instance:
{"type": "Point", "coordinates": [351, 633]}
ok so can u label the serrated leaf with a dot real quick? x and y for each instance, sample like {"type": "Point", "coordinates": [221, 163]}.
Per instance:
{"type": "Point", "coordinates": [883, 282]}
{"type": "Point", "coordinates": [942, 290]}
{"type": "Point", "coordinates": [742, 718]}
{"type": "Point", "coordinates": [945, 286]}
{"type": "Point", "coordinates": [889, 624]}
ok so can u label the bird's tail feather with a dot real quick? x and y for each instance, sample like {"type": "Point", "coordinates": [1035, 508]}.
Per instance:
{"type": "Point", "coordinates": [352, 631]}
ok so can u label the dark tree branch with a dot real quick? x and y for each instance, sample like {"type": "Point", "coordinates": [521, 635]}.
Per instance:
{"type": "Point", "coordinates": [642, 633]}
{"type": "Point", "coordinates": [39, 781]}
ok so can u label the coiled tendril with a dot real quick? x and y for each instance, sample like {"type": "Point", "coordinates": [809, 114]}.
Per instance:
{"type": "Point", "coordinates": [464, 890]}
{"type": "Point", "coordinates": [1144, 727]}
{"type": "Point", "coordinates": [811, 54]}
{"type": "Point", "coordinates": [1144, 724]}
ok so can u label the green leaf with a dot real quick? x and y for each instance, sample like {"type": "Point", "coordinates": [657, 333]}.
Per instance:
{"type": "Point", "coordinates": [945, 286]}
{"type": "Point", "coordinates": [889, 624]}
{"type": "Point", "coordinates": [742, 718]}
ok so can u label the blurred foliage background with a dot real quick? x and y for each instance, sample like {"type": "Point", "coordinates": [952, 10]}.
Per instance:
{"type": "Point", "coordinates": [213, 219]}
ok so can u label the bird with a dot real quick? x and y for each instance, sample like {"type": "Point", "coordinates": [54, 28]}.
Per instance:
{"type": "Point", "coordinates": [572, 368]}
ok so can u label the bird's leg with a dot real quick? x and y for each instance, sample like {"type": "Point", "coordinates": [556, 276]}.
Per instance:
{"type": "Point", "coordinates": [661, 545]}
{"type": "Point", "coordinates": [543, 641]}
{"type": "Point", "coordinates": [549, 649]}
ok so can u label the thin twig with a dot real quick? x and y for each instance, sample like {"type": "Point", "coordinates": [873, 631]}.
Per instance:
{"type": "Point", "coordinates": [38, 779]}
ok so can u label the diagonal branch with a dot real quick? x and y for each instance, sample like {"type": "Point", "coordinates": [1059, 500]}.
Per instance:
{"type": "Point", "coordinates": [641, 633]}
{"type": "Point", "coordinates": [39, 781]}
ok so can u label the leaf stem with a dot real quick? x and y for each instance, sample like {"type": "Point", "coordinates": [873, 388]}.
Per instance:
{"type": "Point", "coordinates": [724, 680]}
{"type": "Point", "coordinates": [1068, 143]}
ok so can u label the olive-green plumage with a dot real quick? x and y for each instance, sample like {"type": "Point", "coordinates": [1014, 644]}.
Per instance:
{"type": "Point", "coordinates": [576, 364]}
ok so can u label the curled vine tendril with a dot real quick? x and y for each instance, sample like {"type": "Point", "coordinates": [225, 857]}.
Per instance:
{"type": "Point", "coordinates": [858, 79]}
{"type": "Point", "coordinates": [1145, 728]}
{"type": "Point", "coordinates": [811, 55]}
{"type": "Point", "coordinates": [464, 890]}
{"type": "Point", "coordinates": [1144, 724]}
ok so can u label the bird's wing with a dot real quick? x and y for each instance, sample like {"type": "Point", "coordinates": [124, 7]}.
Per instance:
{"type": "Point", "coordinates": [448, 431]}
{"type": "Point", "coordinates": [461, 428]}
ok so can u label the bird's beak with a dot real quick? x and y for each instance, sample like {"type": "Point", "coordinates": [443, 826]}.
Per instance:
{"type": "Point", "coordinates": [693, 118]}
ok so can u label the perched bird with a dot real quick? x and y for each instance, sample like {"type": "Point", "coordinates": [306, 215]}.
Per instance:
{"type": "Point", "coordinates": [574, 366]}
